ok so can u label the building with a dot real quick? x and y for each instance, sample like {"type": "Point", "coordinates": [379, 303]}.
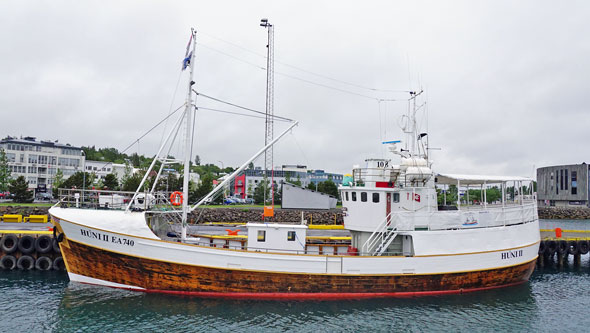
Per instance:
{"type": "Point", "coordinates": [563, 185]}
{"type": "Point", "coordinates": [38, 161]}
{"type": "Point", "coordinates": [245, 184]}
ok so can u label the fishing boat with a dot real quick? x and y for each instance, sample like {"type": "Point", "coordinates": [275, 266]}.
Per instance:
{"type": "Point", "coordinates": [403, 241]}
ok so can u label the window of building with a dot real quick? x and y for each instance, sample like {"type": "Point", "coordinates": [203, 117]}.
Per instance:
{"type": "Point", "coordinates": [557, 182]}
{"type": "Point", "coordinates": [375, 197]}
{"type": "Point", "coordinates": [32, 158]}
{"type": "Point", "coordinates": [22, 158]}
{"type": "Point", "coordinates": [574, 182]}
{"type": "Point", "coordinates": [561, 179]}
{"type": "Point", "coordinates": [353, 196]}
{"type": "Point", "coordinates": [566, 180]}
{"type": "Point", "coordinates": [396, 197]}
{"type": "Point", "coordinates": [364, 196]}
{"type": "Point", "coordinates": [11, 157]}
{"type": "Point", "coordinates": [261, 235]}
{"type": "Point", "coordinates": [290, 236]}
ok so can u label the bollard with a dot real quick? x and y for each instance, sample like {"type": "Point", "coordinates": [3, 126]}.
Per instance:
{"type": "Point", "coordinates": [558, 232]}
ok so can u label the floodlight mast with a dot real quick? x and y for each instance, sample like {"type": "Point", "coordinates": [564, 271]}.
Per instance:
{"type": "Point", "coordinates": [269, 119]}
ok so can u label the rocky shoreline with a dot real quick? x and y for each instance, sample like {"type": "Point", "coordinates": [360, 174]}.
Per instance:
{"type": "Point", "coordinates": [222, 214]}
{"type": "Point", "coordinates": [334, 216]}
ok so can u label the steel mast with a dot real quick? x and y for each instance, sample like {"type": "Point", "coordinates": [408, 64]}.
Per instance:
{"type": "Point", "coordinates": [188, 118]}
{"type": "Point", "coordinates": [269, 119]}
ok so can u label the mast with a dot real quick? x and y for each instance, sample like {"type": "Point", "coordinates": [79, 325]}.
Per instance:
{"type": "Point", "coordinates": [188, 118]}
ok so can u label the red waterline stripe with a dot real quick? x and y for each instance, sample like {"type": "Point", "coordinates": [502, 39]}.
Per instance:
{"type": "Point", "coordinates": [315, 296]}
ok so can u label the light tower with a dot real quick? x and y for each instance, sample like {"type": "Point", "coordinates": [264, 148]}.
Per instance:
{"type": "Point", "coordinates": [269, 123]}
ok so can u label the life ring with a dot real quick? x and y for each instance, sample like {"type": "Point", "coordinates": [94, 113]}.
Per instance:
{"type": "Point", "coordinates": [8, 262]}
{"type": "Point", "coordinates": [25, 263]}
{"type": "Point", "coordinates": [9, 243]}
{"type": "Point", "coordinates": [43, 263]}
{"type": "Point", "coordinates": [26, 244]}
{"type": "Point", "coordinates": [58, 264]}
{"type": "Point", "coordinates": [43, 244]}
{"type": "Point", "coordinates": [176, 198]}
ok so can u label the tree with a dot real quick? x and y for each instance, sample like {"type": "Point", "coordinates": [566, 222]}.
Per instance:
{"type": "Point", "coordinates": [4, 171]}
{"type": "Point", "coordinates": [111, 182]}
{"type": "Point", "coordinates": [197, 160]}
{"type": "Point", "coordinates": [19, 187]}
{"type": "Point", "coordinates": [251, 166]}
{"type": "Point", "coordinates": [58, 181]}
{"type": "Point", "coordinates": [328, 187]}
{"type": "Point", "coordinates": [202, 189]}
{"type": "Point", "coordinates": [78, 180]}
{"type": "Point", "coordinates": [259, 192]}
{"type": "Point", "coordinates": [132, 183]}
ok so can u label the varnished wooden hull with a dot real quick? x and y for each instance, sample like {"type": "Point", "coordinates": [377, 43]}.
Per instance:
{"type": "Point", "coordinates": [95, 265]}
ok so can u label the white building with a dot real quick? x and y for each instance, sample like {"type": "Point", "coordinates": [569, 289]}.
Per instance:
{"type": "Point", "coordinates": [38, 161]}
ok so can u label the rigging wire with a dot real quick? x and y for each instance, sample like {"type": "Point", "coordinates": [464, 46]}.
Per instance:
{"type": "Point", "coordinates": [295, 77]}
{"type": "Point", "coordinates": [304, 70]}
{"type": "Point", "coordinates": [241, 107]}
{"type": "Point", "coordinates": [237, 113]}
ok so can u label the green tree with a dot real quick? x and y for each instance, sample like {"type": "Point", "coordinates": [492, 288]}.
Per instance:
{"type": "Point", "coordinates": [111, 182]}
{"type": "Point", "coordinates": [78, 180]}
{"type": "Point", "coordinates": [328, 187]}
{"type": "Point", "coordinates": [4, 171]}
{"type": "Point", "coordinates": [202, 189]}
{"type": "Point", "coordinates": [132, 183]}
{"type": "Point", "coordinates": [197, 160]}
{"type": "Point", "coordinates": [58, 181]}
{"type": "Point", "coordinates": [19, 187]}
{"type": "Point", "coordinates": [259, 193]}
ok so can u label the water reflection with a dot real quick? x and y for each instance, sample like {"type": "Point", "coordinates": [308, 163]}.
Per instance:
{"type": "Point", "coordinates": [100, 308]}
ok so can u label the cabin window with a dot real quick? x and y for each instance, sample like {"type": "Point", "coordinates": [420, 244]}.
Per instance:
{"type": "Point", "coordinates": [353, 196]}
{"type": "Point", "coordinates": [375, 197]}
{"type": "Point", "coordinates": [261, 235]}
{"type": "Point", "coordinates": [346, 195]}
{"type": "Point", "coordinates": [364, 196]}
{"type": "Point", "coordinates": [396, 197]}
{"type": "Point", "coordinates": [290, 236]}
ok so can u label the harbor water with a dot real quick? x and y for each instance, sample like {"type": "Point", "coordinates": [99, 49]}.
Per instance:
{"type": "Point", "coordinates": [554, 298]}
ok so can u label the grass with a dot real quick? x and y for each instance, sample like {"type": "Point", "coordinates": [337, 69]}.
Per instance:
{"type": "Point", "coordinates": [33, 204]}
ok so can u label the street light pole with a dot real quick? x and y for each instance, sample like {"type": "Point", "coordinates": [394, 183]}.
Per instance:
{"type": "Point", "coordinates": [83, 176]}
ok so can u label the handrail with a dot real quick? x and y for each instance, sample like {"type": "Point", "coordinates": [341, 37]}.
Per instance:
{"type": "Point", "coordinates": [379, 231]}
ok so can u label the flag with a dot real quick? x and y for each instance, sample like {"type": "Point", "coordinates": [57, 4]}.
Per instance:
{"type": "Point", "coordinates": [187, 61]}
{"type": "Point", "coordinates": [188, 54]}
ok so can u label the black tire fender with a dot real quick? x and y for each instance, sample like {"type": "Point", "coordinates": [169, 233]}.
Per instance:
{"type": "Point", "coordinates": [44, 263]}
{"type": "Point", "coordinates": [551, 247]}
{"type": "Point", "coordinates": [541, 247]}
{"type": "Point", "coordinates": [583, 247]}
{"type": "Point", "coordinates": [59, 264]}
{"type": "Point", "coordinates": [573, 247]}
{"type": "Point", "coordinates": [25, 263]}
{"type": "Point", "coordinates": [9, 243]}
{"type": "Point", "coordinates": [562, 247]}
{"type": "Point", "coordinates": [8, 262]}
{"type": "Point", "coordinates": [43, 244]}
{"type": "Point", "coordinates": [55, 245]}
{"type": "Point", "coordinates": [26, 244]}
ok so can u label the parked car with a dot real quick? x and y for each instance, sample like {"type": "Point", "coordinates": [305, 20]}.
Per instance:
{"type": "Point", "coordinates": [4, 195]}
{"type": "Point", "coordinates": [229, 201]}
{"type": "Point", "coordinates": [44, 196]}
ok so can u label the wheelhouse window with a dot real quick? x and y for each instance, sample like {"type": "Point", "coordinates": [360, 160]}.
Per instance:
{"type": "Point", "coordinates": [353, 194]}
{"type": "Point", "coordinates": [396, 197]}
{"type": "Point", "coordinates": [291, 236]}
{"type": "Point", "coordinates": [261, 235]}
{"type": "Point", "coordinates": [375, 197]}
{"type": "Point", "coordinates": [346, 195]}
{"type": "Point", "coordinates": [364, 196]}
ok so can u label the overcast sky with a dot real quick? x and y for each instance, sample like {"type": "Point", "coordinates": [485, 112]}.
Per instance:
{"type": "Point", "coordinates": [505, 81]}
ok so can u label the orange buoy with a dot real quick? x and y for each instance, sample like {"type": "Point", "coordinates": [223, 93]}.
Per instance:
{"type": "Point", "coordinates": [176, 198]}
{"type": "Point", "coordinates": [558, 232]}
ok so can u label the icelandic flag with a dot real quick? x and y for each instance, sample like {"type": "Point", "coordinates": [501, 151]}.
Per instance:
{"type": "Point", "coordinates": [188, 54]}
